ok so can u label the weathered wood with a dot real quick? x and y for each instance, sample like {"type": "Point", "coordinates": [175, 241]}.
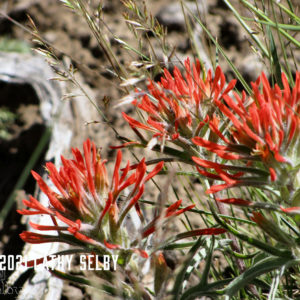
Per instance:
{"type": "Point", "coordinates": [63, 119]}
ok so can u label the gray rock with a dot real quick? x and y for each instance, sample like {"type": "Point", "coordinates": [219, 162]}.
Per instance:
{"type": "Point", "coordinates": [172, 16]}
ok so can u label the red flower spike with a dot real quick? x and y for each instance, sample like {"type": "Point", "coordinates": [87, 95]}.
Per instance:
{"type": "Point", "coordinates": [131, 180]}
{"type": "Point", "coordinates": [172, 208]}
{"type": "Point", "coordinates": [178, 102]}
{"type": "Point", "coordinates": [218, 188]}
{"type": "Point", "coordinates": [106, 208]}
{"type": "Point", "coordinates": [207, 174]}
{"type": "Point", "coordinates": [223, 151]}
{"type": "Point", "coordinates": [206, 163]}
{"type": "Point", "coordinates": [264, 127]}
{"type": "Point", "coordinates": [125, 172]}
{"type": "Point", "coordinates": [88, 163]}
{"type": "Point", "coordinates": [135, 199]}
{"type": "Point", "coordinates": [85, 198]}
{"type": "Point", "coordinates": [230, 179]}
{"type": "Point", "coordinates": [133, 123]}
{"type": "Point", "coordinates": [28, 212]}
{"type": "Point", "coordinates": [148, 231]}
{"type": "Point", "coordinates": [213, 125]}
{"type": "Point", "coordinates": [140, 173]}
{"type": "Point", "coordinates": [181, 211]}
{"type": "Point", "coordinates": [35, 204]}
{"type": "Point", "coordinates": [82, 237]}
{"type": "Point", "coordinates": [116, 171]}
{"type": "Point", "coordinates": [56, 178]}
{"type": "Point", "coordinates": [226, 177]}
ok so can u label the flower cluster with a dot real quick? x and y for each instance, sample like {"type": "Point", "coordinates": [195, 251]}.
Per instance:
{"type": "Point", "coordinates": [265, 128]}
{"type": "Point", "coordinates": [257, 134]}
{"type": "Point", "coordinates": [177, 105]}
{"type": "Point", "coordinates": [88, 207]}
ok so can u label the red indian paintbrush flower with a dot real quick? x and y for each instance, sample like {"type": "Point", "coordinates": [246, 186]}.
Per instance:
{"type": "Point", "coordinates": [177, 105]}
{"type": "Point", "coordinates": [86, 205]}
{"type": "Point", "coordinates": [265, 128]}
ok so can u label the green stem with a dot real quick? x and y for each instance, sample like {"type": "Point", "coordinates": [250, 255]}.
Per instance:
{"type": "Point", "coordinates": [252, 241]}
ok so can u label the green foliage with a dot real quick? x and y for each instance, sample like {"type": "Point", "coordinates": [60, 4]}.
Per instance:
{"type": "Point", "coordinates": [6, 120]}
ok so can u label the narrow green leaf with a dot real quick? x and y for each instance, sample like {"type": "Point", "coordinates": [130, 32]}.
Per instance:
{"type": "Point", "coordinates": [267, 265]}
{"type": "Point", "coordinates": [243, 256]}
{"type": "Point", "coordinates": [204, 278]}
{"type": "Point", "coordinates": [187, 234]}
{"type": "Point", "coordinates": [275, 284]}
{"type": "Point", "coordinates": [181, 276]}
{"type": "Point", "coordinates": [275, 60]}
{"type": "Point", "coordinates": [279, 25]}
{"type": "Point", "coordinates": [209, 290]}
{"type": "Point", "coordinates": [262, 15]}
{"type": "Point", "coordinates": [288, 12]}
{"type": "Point", "coordinates": [252, 241]}
{"type": "Point", "coordinates": [177, 246]}
{"type": "Point", "coordinates": [102, 287]}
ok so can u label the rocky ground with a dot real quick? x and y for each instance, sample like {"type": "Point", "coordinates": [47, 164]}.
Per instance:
{"type": "Point", "coordinates": [71, 37]}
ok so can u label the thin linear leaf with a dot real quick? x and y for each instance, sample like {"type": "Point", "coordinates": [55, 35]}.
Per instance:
{"type": "Point", "coordinates": [102, 287]}
{"type": "Point", "coordinates": [275, 60]}
{"type": "Point", "coordinates": [282, 26]}
{"type": "Point", "coordinates": [204, 278]}
{"type": "Point", "coordinates": [267, 265]}
{"type": "Point", "coordinates": [209, 290]}
{"type": "Point", "coordinates": [181, 276]}
{"type": "Point", "coordinates": [275, 283]}
{"type": "Point", "coordinates": [252, 241]}
{"type": "Point", "coordinates": [247, 28]}
{"type": "Point", "coordinates": [259, 13]}
{"type": "Point", "coordinates": [288, 12]}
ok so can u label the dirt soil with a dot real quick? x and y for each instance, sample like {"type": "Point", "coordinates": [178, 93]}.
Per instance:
{"type": "Point", "coordinates": [70, 36]}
